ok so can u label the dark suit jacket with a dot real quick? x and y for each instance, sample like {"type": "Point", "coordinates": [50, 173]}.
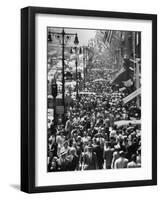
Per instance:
{"type": "Point", "coordinates": [90, 162]}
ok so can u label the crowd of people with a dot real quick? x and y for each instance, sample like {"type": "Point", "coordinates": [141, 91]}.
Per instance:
{"type": "Point", "coordinates": [90, 138]}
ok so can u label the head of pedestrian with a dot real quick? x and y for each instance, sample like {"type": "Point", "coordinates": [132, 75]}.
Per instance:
{"type": "Point", "coordinates": [90, 148]}
{"type": "Point", "coordinates": [108, 144]}
{"type": "Point", "coordinates": [133, 157]}
{"type": "Point", "coordinates": [73, 151]}
{"type": "Point", "coordinates": [122, 154]}
{"type": "Point", "coordinates": [65, 144]}
{"type": "Point", "coordinates": [85, 134]}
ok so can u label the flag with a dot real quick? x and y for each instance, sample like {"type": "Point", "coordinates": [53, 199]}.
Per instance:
{"type": "Point", "coordinates": [137, 38]}
{"type": "Point", "coordinates": [108, 37]}
{"type": "Point", "coordinates": [123, 36]}
{"type": "Point", "coordinates": [128, 83]}
{"type": "Point", "coordinates": [132, 96]}
{"type": "Point", "coordinates": [138, 44]}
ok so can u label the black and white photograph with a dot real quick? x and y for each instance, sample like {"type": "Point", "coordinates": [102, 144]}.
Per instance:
{"type": "Point", "coordinates": [89, 99]}
{"type": "Point", "coordinates": [93, 99]}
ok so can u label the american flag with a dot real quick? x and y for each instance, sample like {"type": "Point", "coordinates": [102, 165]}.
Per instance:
{"type": "Point", "coordinates": [108, 37]}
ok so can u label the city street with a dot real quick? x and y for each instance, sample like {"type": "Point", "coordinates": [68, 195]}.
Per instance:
{"type": "Point", "coordinates": [94, 99]}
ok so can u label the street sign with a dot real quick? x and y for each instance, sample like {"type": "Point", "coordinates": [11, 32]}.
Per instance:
{"type": "Point", "coordinates": [68, 99]}
{"type": "Point", "coordinates": [59, 110]}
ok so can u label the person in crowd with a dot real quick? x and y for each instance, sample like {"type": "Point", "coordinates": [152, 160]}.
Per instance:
{"type": "Point", "coordinates": [138, 157]}
{"type": "Point", "coordinates": [54, 165]}
{"type": "Point", "coordinates": [63, 161]}
{"type": "Point", "coordinates": [53, 128]}
{"type": "Point", "coordinates": [90, 159]}
{"type": "Point", "coordinates": [89, 138]}
{"type": "Point", "coordinates": [65, 147]}
{"type": "Point", "coordinates": [99, 154]}
{"type": "Point", "coordinates": [133, 162]}
{"type": "Point", "coordinates": [68, 128]}
{"type": "Point", "coordinates": [73, 160]}
{"type": "Point", "coordinates": [52, 146]}
{"type": "Point", "coordinates": [132, 147]}
{"type": "Point", "coordinates": [60, 138]}
{"type": "Point", "coordinates": [108, 155]}
{"type": "Point", "coordinates": [121, 162]}
{"type": "Point", "coordinates": [49, 160]}
{"type": "Point", "coordinates": [114, 158]}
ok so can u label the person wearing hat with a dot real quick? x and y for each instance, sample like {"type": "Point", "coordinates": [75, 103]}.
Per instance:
{"type": "Point", "coordinates": [68, 127]}
{"type": "Point", "coordinates": [66, 147]}
{"type": "Point", "coordinates": [132, 148]}
{"type": "Point", "coordinates": [73, 159]}
{"type": "Point", "coordinates": [60, 138]}
{"type": "Point", "coordinates": [54, 165]}
{"type": "Point", "coordinates": [63, 162]}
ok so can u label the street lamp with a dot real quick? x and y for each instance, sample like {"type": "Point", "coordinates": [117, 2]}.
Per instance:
{"type": "Point", "coordinates": [82, 50]}
{"type": "Point", "coordinates": [62, 36]}
{"type": "Point", "coordinates": [76, 65]}
{"type": "Point", "coordinates": [85, 50]}
{"type": "Point", "coordinates": [76, 41]}
{"type": "Point", "coordinates": [54, 94]}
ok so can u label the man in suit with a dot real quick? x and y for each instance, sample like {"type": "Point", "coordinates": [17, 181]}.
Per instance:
{"type": "Point", "coordinates": [99, 153]}
{"type": "Point", "coordinates": [73, 160]}
{"type": "Point", "coordinates": [90, 159]}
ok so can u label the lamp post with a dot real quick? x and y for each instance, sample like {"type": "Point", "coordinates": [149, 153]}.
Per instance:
{"type": "Point", "coordinates": [82, 50]}
{"type": "Point", "coordinates": [85, 50]}
{"type": "Point", "coordinates": [76, 66]}
{"type": "Point", "coordinates": [62, 36]}
{"type": "Point", "coordinates": [135, 42]}
{"type": "Point", "coordinates": [54, 94]}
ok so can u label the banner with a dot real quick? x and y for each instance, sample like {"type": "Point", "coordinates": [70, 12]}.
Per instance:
{"type": "Point", "coordinates": [132, 96]}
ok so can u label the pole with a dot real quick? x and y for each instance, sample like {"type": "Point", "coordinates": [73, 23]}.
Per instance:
{"type": "Point", "coordinates": [63, 34]}
{"type": "Point", "coordinates": [76, 64]}
{"type": "Point", "coordinates": [54, 110]}
{"type": "Point", "coordinates": [54, 94]}
{"type": "Point", "coordinates": [84, 73]}
{"type": "Point", "coordinates": [63, 80]}
{"type": "Point", "coordinates": [134, 58]}
{"type": "Point", "coordinates": [137, 68]}
{"type": "Point", "coordinates": [84, 66]}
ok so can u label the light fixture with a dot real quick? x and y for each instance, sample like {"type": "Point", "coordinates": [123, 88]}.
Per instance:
{"type": "Point", "coordinates": [49, 37]}
{"type": "Point", "coordinates": [76, 41]}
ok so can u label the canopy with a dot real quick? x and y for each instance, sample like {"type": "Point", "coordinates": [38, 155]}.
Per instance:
{"type": "Point", "coordinates": [126, 122]}
{"type": "Point", "coordinates": [87, 93]}
{"type": "Point", "coordinates": [100, 79]}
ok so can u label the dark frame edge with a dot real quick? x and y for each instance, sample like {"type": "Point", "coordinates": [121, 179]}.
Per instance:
{"type": "Point", "coordinates": [154, 99]}
{"type": "Point", "coordinates": [24, 100]}
{"type": "Point", "coordinates": [27, 128]}
{"type": "Point", "coordinates": [90, 13]}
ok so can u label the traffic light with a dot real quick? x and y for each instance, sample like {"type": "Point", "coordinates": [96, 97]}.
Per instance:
{"type": "Point", "coordinates": [79, 76]}
{"type": "Point", "coordinates": [68, 76]}
{"type": "Point", "coordinates": [54, 88]}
